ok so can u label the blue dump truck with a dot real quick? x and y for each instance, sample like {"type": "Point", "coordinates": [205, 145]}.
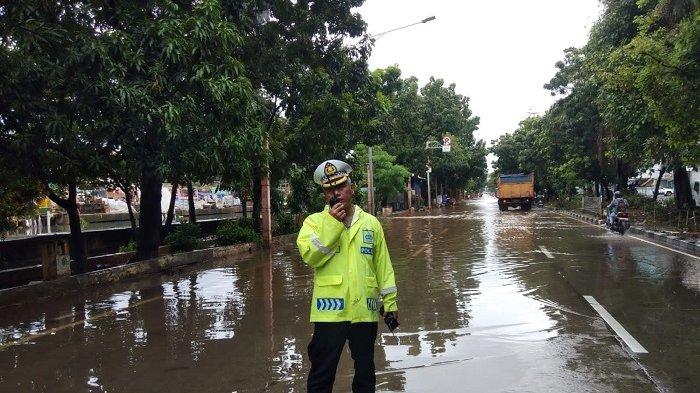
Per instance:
{"type": "Point", "coordinates": [516, 190]}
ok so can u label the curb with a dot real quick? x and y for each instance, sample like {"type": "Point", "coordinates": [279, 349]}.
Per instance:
{"type": "Point", "coordinates": [42, 289]}
{"type": "Point", "coordinates": [676, 242]}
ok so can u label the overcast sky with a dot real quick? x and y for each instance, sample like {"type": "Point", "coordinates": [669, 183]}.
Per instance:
{"type": "Point", "coordinates": [498, 53]}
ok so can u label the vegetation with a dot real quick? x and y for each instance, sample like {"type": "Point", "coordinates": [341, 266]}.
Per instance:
{"type": "Point", "coordinates": [283, 224]}
{"type": "Point", "coordinates": [131, 95]}
{"type": "Point", "coordinates": [234, 232]}
{"type": "Point", "coordinates": [389, 178]}
{"type": "Point", "coordinates": [185, 237]}
{"type": "Point", "coordinates": [629, 100]}
{"type": "Point", "coordinates": [128, 247]}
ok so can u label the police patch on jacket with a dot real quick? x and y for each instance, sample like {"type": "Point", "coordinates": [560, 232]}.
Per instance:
{"type": "Point", "coordinates": [367, 250]}
{"type": "Point", "coordinates": [368, 236]}
{"type": "Point", "coordinates": [330, 304]}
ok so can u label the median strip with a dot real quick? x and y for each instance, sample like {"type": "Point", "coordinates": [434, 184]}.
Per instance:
{"type": "Point", "coordinates": [633, 344]}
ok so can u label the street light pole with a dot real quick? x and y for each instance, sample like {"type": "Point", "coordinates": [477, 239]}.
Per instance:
{"type": "Point", "coordinates": [370, 182]}
{"type": "Point", "coordinates": [429, 200]}
{"type": "Point", "coordinates": [426, 20]}
{"type": "Point", "coordinates": [370, 167]}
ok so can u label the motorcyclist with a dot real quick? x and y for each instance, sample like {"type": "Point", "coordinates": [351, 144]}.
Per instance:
{"type": "Point", "coordinates": [618, 204]}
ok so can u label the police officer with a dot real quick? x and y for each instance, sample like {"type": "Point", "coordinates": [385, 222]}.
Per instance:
{"type": "Point", "coordinates": [353, 278]}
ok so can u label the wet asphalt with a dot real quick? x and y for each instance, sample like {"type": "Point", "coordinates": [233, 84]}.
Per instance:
{"type": "Point", "coordinates": [489, 302]}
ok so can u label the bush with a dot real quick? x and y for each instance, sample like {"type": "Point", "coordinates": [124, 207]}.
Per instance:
{"type": "Point", "coordinates": [185, 237]}
{"type": "Point", "coordinates": [128, 247]}
{"type": "Point", "coordinates": [564, 203]}
{"type": "Point", "coordinates": [244, 222]}
{"type": "Point", "coordinates": [234, 232]}
{"type": "Point", "coordinates": [283, 223]}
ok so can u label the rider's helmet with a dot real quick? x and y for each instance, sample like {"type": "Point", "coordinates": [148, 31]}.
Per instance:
{"type": "Point", "coordinates": [618, 194]}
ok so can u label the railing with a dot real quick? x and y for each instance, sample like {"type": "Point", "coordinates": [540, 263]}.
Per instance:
{"type": "Point", "coordinates": [592, 204]}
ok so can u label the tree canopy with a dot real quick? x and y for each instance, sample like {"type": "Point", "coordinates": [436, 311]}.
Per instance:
{"type": "Point", "coordinates": [629, 100]}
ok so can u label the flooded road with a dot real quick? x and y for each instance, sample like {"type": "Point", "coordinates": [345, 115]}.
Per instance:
{"type": "Point", "coordinates": [489, 301]}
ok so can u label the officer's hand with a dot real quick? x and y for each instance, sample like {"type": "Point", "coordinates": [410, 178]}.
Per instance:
{"type": "Point", "coordinates": [338, 212]}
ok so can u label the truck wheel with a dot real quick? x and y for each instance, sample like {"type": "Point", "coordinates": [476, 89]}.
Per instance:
{"type": "Point", "coordinates": [502, 207]}
{"type": "Point", "coordinates": [525, 207]}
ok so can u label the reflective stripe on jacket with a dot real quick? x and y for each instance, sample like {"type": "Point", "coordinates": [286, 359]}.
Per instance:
{"type": "Point", "coordinates": [352, 269]}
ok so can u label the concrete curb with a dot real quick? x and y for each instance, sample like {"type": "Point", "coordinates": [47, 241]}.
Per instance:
{"type": "Point", "coordinates": [688, 246]}
{"type": "Point", "coordinates": [41, 289]}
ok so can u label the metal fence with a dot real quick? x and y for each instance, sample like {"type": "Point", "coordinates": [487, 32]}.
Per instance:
{"type": "Point", "coordinates": [592, 204]}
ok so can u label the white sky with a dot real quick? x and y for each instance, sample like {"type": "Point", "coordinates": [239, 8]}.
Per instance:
{"type": "Point", "coordinates": [498, 52]}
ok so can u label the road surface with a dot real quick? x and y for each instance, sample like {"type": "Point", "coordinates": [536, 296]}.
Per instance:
{"type": "Point", "coordinates": [489, 302]}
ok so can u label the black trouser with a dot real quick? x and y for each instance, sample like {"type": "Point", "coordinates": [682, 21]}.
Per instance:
{"type": "Point", "coordinates": [326, 346]}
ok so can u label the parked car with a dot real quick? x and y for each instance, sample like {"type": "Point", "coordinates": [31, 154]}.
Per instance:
{"type": "Point", "coordinates": [665, 191]}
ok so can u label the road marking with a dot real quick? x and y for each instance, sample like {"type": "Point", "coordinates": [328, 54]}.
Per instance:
{"type": "Point", "coordinates": [635, 237]}
{"type": "Point", "coordinates": [444, 231]}
{"type": "Point", "coordinates": [633, 344]}
{"type": "Point", "coordinates": [47, 332]}
{"type": "Point", "coordinates": [668, 248]}
{"type": "Point", "coordinates": [420, 250]}
{"type": "Point", "coordinates": [546, 252]}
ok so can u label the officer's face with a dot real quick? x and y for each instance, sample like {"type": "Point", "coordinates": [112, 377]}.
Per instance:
{"type": "Point", "coordinates": [343, 192]}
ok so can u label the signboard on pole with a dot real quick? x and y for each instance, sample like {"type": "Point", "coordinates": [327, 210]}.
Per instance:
{"type": "Point", "coordinates": [446, 144]}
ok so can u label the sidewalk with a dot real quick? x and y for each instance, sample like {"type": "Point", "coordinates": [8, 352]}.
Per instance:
{"type": "Point", "coordinates": [689, 246]}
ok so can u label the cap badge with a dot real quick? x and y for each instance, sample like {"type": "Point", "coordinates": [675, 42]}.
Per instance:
{"type": "Point", "coordinates": [330, 169]}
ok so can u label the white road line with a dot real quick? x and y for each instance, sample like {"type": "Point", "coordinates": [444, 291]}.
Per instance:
{"type": "Point", "coordinates": [633, 344]}
{"type": "Point", "coordinates": [546, 252]}
{"type": "Point", "coordinates": [668, 248]}
{"type": "Point", "coordinates": [635, 237]}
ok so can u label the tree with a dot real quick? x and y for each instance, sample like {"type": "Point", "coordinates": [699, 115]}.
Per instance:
{"type": "Point", "coordinates": [91, 81]}
{"type": "Point", "coordinates": [171, 74]}
{"type": "Point", "coordinates": [18, 197]}
{"type": "Point", "coordinates": [296, 57]}
{"type": "Point", "coordinates": [50, 120]}
{"type": "Point", "coordinates": [389, 178]}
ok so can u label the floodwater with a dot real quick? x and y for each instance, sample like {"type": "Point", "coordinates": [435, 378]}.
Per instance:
{"type": "Point", "coordinates": [483, 308]}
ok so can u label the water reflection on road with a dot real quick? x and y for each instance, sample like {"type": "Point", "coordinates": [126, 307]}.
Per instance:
{"type": "Point", "coordinates": [483, 308]}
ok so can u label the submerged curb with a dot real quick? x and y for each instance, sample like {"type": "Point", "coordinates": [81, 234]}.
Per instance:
{"type": "Point", "coordinates": [41, 289]}
{"type": "Point", "coordinates": [689, 246]}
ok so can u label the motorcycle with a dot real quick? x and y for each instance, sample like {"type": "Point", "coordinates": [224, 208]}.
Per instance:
{"type": "Point", "coordinates": [620, 224]}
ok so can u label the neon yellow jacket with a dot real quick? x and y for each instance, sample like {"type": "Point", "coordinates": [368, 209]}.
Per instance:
{"type": "Point", "coordinates": [352, 268]}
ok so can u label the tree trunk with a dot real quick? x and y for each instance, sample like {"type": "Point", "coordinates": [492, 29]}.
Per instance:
{"type": "Point", "coordinates": [658, 183]}
{"type": "Point", "coordinates": [681, 185]}
{"type": "Point", "coordinates": [244, 206]}
{"type": "Point", "coordinates": [129, 200]}
{"type": "Point", "coordinates": [149, 214]}
{"type": "Point", "coordinates": [171, 207]}
{"type": "Point", "coordinates": [190, 202]}
{"type": "Point", "coordinates": [622, 177]}
{"type": "Point", "coordinates": [78, 248]}
{"type": "Point", "coordinates": [257, 195]}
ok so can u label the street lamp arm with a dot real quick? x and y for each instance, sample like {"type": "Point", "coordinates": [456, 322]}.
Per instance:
{"type": "Point", "coordinates": [426, 20]}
